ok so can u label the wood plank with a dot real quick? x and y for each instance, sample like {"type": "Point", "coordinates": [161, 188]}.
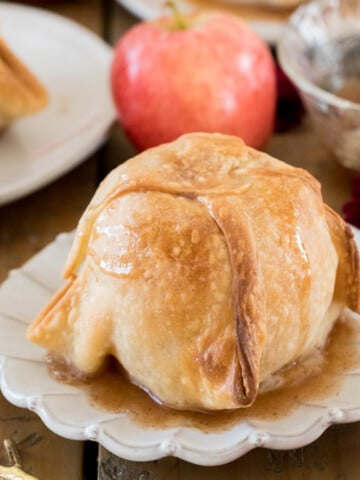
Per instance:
{"type": "Point", "coordinates": [88, 13]}
{"type": "Point", "coordinates": [302, 148]}
{"type": "Point", "coordinates": [34, 221]}
{"type": "Point", "coordinates": [43, 454]}
{"type": "Point", "coordinates": [118, 21]}
{"type": "Point", "coordinates": [118, 148]}
{"type": "Point", "coordinates": [333, 456]}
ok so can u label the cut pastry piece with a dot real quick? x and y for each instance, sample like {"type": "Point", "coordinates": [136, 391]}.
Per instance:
{"type": "Point", "coordinates": [204, 267]}
{"type": "Point", "coordinates": [20, 92]}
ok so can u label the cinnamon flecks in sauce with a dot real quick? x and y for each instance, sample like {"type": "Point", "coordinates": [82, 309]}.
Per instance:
{"type": "Point", "coordinates": [111, 390]}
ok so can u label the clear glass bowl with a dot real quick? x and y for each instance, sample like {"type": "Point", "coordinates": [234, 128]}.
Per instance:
{"type": "Point", "coordinates": [320, 52]}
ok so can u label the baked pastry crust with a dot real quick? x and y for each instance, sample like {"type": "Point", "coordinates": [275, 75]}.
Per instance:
{"type": "Point", "coordinates": [20, 92]}
{"type": "Point", "coordinates": [204, 267]}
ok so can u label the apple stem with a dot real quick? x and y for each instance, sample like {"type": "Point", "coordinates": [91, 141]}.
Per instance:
{"type": "Point", "coordinates": [178, 16]}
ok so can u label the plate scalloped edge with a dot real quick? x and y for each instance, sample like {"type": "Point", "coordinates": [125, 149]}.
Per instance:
{"type": "Point", "coordinates": [66, 410]}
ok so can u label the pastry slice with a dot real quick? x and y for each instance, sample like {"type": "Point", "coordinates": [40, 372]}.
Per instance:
{"type": "Point", "coordinates": [20, 92]}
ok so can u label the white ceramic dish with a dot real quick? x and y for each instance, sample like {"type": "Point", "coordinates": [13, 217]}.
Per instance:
{"type": "Point", "coordinates": [270, 31]}
{"type": "Point", "coordinates": [66, 410]}
{"type": "Point", "coordinates": [73, 64]}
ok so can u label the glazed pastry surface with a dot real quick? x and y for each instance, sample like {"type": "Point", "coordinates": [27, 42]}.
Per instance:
{"type": "Point", "coordinates": [204, 267]}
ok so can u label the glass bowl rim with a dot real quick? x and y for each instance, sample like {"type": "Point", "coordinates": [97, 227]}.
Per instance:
{"type": "Point", "coordinates": [299, 80]}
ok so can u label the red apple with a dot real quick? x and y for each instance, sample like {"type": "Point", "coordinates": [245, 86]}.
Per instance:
{"type": "Point", "coordinates": [213, 74]}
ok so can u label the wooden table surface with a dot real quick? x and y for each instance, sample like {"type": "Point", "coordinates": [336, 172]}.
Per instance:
{"type": "Point", "coordinates": [28, 224]}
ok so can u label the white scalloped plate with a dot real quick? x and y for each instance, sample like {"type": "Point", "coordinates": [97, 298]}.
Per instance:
{"type": "Point", "coordinates": [67, 411]}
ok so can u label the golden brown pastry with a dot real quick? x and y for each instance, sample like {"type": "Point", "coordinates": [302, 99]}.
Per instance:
{"type": "Point", "coordinates": [203, 266]}
{"type": "Point", "coordinates": [20, 92]}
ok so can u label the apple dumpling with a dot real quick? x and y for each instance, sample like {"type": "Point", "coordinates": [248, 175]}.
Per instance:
{"type": "Point", "coordinates": [20, 92]}
{"type": "Point", "coordinates": [203, 266]}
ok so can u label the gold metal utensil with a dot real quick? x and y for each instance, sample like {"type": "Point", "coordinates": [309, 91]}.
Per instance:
{"type": "Point", "coordinates": [13, 471]}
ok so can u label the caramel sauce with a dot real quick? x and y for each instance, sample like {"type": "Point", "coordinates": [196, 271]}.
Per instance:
{"type": "Point", "coordinates": [111, 391]}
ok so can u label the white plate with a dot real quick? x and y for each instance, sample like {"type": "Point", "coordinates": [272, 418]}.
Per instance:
{"type": "Point", "coordinates": [67, 411]}
{"type": "Point", "coordinates": [73, 64]}
{"type": "Point", "coordinates": [270, 31]}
